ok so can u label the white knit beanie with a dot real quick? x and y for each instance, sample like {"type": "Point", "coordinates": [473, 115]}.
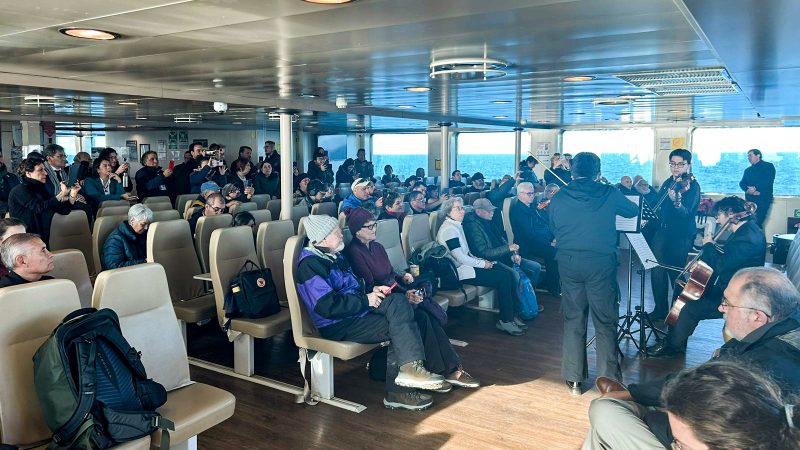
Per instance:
{"type": "Point", "coordinates": [318, 227]}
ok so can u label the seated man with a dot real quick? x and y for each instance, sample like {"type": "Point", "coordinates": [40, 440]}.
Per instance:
{"type": "Point", "coordinates": [746, 247]}
{"type": "Point", "coordinates": [455, 181]}
{"type": "Point", "coordinates": [359, 197]}
{"type": "Point", "coordinates": [27, 258]}
{"type": "Point", "coordinates": [342, 311]}
{"type": "Point", "coordinates": [127, 245]}
{"type": "Point", "coordinates": [625, 186]}
{"type": "Point", "coordinates": [430, 204]}
{"type": "Point", "coordinates": [762, 315]}
{"type": "Point", "coordinates": [532, 232]}
{"type": "Point", "coordinates": [417, 201]}
{"type": "Point", "coordinates": [478, 184]}
{"type": "Point", "coordinates": [215, 205]}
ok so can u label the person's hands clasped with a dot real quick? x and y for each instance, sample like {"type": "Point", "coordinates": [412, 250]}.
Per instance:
{"type": "Point", "coordinates": [513, 247]}
{"type": "Point", "coordinates": [375, 299]}
{"type": "Point", "coordinates": [413, 297]}
{"type": "Point", "coordinates": [408, 278]}
{"type": "Point", "coordinates": [516, 259]}
{"type": "Point", "coordinates": [487, 265]}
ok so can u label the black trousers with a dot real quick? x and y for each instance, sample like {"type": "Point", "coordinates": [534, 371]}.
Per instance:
{"type": "Point", "coordinates": [670, 250]}
{"type": "Point", "coordinates": [691, 315]}
{"type": "Point", "coordinates": [548, 253]}
{"type": "Point", "coordinates": [589, 286]}
{"type": "Point", "coordinates": [392, 321]}
{"type": "Point", "coordinates": [762, 209]}
{"type": "Point", "coordinates": [440, 356]}
{"type": "Point", "coordinates": [503, 281]}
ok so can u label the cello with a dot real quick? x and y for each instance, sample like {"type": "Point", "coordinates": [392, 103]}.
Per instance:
{"type": "Point", "coordinates": [699, 272]}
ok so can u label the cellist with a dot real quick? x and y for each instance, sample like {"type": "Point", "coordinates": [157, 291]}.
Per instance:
{"type": "Point", "coordinates": [746, 247]}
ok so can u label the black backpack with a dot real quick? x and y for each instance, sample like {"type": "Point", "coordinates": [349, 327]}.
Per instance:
{"type": "Point", "coordinates": [251, 294]}
{"type": "Point", "coordinates": [92, 386]}
{"type": "Point", "coordinates": [435, 258]}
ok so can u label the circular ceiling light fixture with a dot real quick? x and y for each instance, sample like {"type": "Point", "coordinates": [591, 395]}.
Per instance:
{"type": "Point", "coordinates": [578, 78]}
{"type": "Point", "coordinates": [89, 33]}
{"type": "Point", "coordinates": [406, 106]}
{"type": "Point", "coordinates": [469, 68]}
{"type": "Point", "coordinates": [418, 89]}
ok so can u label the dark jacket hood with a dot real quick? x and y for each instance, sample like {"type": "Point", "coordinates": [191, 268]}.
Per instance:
{"type": "Point", "coordinates": [584, 193]}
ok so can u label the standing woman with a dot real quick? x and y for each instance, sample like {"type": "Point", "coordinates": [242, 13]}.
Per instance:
{"type": "Point", "coordinates": [151, 180]}
{"type": "Point", "coordinates": [33, 204]}
{"type": "Point", "coordinates": [105, 185]}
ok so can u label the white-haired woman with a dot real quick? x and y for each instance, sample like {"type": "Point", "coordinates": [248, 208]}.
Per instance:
{"type": "Point", "coordinates": [474, 270]}
{"type": "Point", "coordinates": [127, 245]}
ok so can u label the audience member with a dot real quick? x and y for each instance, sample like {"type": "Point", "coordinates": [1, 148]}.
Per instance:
{"type": "Point", "coordinates": [7, 182]}
{"type": "Point", "coordinates": [359, 196]}
{"type": "Point", "coordinates": [346, 173]}
{"type": "Point", "coordinates": [271, 156]}
{"type": "Point", "coordinates": [182, 182]}
{"type": "Point", "coordinates": [27, 258]}
{"type": "Point", "coordinates": [532, 232]}
{"type": "Point", "coordinates": [214, 205]}
{"type": "Point", "coordinates": [209, 169]}
{"type": "Point", "coordinates": [267, 181]}
{"type": "Point", "coordinates": [9, 227]}
{"type": "Point", "coordinates": [473, 270]}
{"type": "Point", "coordinates": [477, 183]}
{"type": "Point", "coordinates": [319, 168]}
{"type": "Point", "coordinates": [110, 154]}
{"type": "Point", "coordinates": [389, 176]}
{"type": "Point", "coordinates": [558, 173]}
{"type": "Point", "coordinates": [104, 185]}
{"type": "Point", "coordinates": [242, 176]}
{"type": "Point", "coordinates": [526, 170]}
{"type": "Point", "coordinates": [420, 173]}
{"type": "Point", "coordinates": [56, 167]}
{"type": "Point", "coordinates": [455, 179]}
{"type": "Point", "coordinates": [342, 311]}
{"type": "Point", "coordinates": [246, 153]}
{"type": "Point", "coordinates": [364, 168]}
{"type": "Point", "coordinates": [80, 169]}
{"type": "Point", "coordinates": [206, 189]}
{"type": "Point", "coordinates": [301, 188]}
{"type": "Point", "coordinates": [393, 208]}
{"type": "Point", "coordinates": [243, 218]}
{"type": "Point", "coordinates": [152, 180]}
{"type": "Point", "coordinates": [416, 200]}
{"type": "Point", "coordinates": [127, 245]}
{"type": "Point", "coordinates": [232, 196]}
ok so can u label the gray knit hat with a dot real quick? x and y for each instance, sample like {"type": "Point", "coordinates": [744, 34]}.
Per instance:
{"type": "Point", "coordinates": [318, 227]}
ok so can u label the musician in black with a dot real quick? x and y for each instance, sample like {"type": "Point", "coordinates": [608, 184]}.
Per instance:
{"type": "Point", "coordinates": [674, 231]}
{"type": "Point", "coordinates": [757, 183]}
{"type": "Point", "coordinates": [746, 247]}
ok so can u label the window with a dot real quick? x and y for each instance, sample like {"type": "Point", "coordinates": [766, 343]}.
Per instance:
{"type": "Point", "coordinates": [622, 152]}
{"type": "Point", "coordinates": [492, 154]}
{"type": "Point", "coordinates": [404, 152]}
{"type": "Point", "coordinates": [720, 157]}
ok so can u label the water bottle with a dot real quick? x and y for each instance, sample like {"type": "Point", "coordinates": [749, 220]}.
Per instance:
{"type": "Point", "coordinates": [125, 180]}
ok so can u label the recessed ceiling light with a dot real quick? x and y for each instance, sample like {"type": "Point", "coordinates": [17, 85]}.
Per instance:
{"type": "Point", "coordinates": [217, 80]}
{"type": "Point", "coordinates": [328, 2]}
{"type": "Point", "coordinates": [610, 101]}
{"type": "Point", "coordinates": [88, 33]}
{"type": "Point", "coordinates": [406, 106]}
{"type": "Point", "coordinates": [219, 85]}
{"type": "Point", "coordinates": [121, 126]}
{"type": "Point", "coordinates": [418, 89]}
{"type": "Point", "coordinates": [677, 110]}
{"type": "Point", "coordinates": [236, 123]}
{"type": "Point", "coordinates": [352, 120]}
{"type": "Point", "coordinates": [308, 95]}
{"type": "Point", "coordinates": [5, 110]}
{"type": "Point", "coordinates": [500, 117]}
{"type": "Point", "coordinates": [141, 118]}
{"type": "Point", "coordinates": [631, 96]}
{"type": "Point", "coordinates": [128, 103]}
{"type": "Point", "coordinates": [578, 78]}
{"type": "Point", "coordinates": [501, 102]}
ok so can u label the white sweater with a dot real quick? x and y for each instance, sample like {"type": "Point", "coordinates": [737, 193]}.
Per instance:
{"type": "Point", "coordinates": [453, 232]}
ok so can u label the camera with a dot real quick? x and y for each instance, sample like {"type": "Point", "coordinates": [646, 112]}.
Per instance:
{"type": "Point", "coordinates": [220, 107]}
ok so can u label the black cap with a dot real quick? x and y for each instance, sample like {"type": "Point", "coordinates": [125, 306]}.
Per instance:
{"type": "Point", "coordinates": [477, 176]}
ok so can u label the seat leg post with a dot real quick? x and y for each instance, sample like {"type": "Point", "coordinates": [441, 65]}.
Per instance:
{"type": "Point", "coordinates": [322, 375]}
{"type": "Point", "coordinates": [244, 355]}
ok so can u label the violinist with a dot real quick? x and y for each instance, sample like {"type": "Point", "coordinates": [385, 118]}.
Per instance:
{"type": "Point", "coordinates": [549, 191]}
{"type": "Point", "coordinates": [746, 247]}
{"type": "Point", "coordinates": [673, 234]}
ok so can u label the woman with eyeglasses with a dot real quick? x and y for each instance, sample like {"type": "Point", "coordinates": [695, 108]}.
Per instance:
{"type": "Point", "coordinates": [105, 185]}
{"type": "Point", "coordinates": [727, 405]}
{"type": "Point", "coordinates": [477, 271]}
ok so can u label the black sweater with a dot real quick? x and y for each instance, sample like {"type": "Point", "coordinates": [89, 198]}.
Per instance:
{"type": "Point", "coordinates": [31, 203]}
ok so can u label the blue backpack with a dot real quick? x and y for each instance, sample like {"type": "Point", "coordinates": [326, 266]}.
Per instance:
{"type": "Point", "coordinates": [529, 306]}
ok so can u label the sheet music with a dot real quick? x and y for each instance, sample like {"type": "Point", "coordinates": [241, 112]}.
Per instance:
{"type": "Point", "coordinates": [643, 251]}
{"type": "Point", "coordinates": [630, 225]}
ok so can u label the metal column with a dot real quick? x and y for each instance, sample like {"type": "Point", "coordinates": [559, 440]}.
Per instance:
{"type": "Point", "coordinates": [517, 148]}
{"type": "Point", "coordinates": [287, 157]}
{"type": "Point", "coordinates": [445, 155]}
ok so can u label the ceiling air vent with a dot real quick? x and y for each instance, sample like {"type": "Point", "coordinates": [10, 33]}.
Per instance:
{"type": "Point", "coordinates": [705, 81]}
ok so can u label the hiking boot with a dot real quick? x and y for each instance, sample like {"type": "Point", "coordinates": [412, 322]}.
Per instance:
{"type": "Point", "coordinates": [461, 378]}
{"type": "Point", "coordinates": [412, 401]}
{"type": "Point", "coordinates": [414, 375]}
{"type": "Point", "coordinates": [520, 323]}
{"type": "Point", "coordinates": [446, 387]}
{"type": "Point", "coordinates": [510, 328]}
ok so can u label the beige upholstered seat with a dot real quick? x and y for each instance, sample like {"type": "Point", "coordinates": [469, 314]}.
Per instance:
{"type": "Point", "coordinates": [109, 203]}
{"type": "Point", "coordinates": [141, 298]}
{"type": "Point", "coordinates": [190, 211]}
{"type": "Point", "coordinates": [301, 227]}
{"type": "Point", "coordinates": [270, 242]}
{"type": "Point", "coordinates": [261, 216]}
{"type": "Point", "coordinates": [202, 235]}
{"type": "Point", "coordinates": [327, 208]}
{"type": "Point", "coordinates": [71, 265]}
{"type": "Point", "coordinates": [103, 226]}
{"type": "Point", "coordinates": [160, 206]}
{"type": "Point", "coordinates": [38, 309]}
{"type": "Point", "coordinates": [433, 222]}
{"type": "Point", "coordinates": [113, 211]}
{"type": "Point", "coordinates": [157, 199]}
{"type": "Point", "coordinates": [507, 218]}
{"type": "Point", "coordinates": [170, 244]}
{"type": "Point", "coordinates": [248, 206]}
{"type": "Point", "coordinates": [72, 231]}
{"type": "Point", "coordinates": [229, 249]}
{"type": "Point", "coordinates": [298, 212]}
{"type": "Point", "coordinates": [470, 197]}
{"type": "Point", "coordinates": [260, 200]}
{"type": "Point", "coordinates": [182, 202]}
{"type": "Point", "coordinates": [167, 214]}
{"type": "Point", "coordinates": [274, 207]}
{"type": "Point", "coordinates": [388, 235]}
{"type": "Point", "coordinates": [342, 220]}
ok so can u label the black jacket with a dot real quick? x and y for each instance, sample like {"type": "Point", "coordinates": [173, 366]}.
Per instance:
{"type": "Point", "coordinates": [124, 247]}
{"type": "Point", "coordinates": [315, 173]}
{"type": "Point", "coordinates": [583, 217]}
{"type": "Point", "coordinates": [762, 176]}
{"type": "Point", "coordinates": [485, 240]}
{"type": "Point", "coordinates": [31, 203]}
{"type": "Point", "coordinates": [267, 185]}
{"type": "Point", "coordinates": [12, 279]}
{"type": "Point", "coordinates": [7, 183]}
{"type": "Point", "coordinates": [531, 226]}
{"type": "Point", "coordinates": [676, 221]}
{"type": "Point", "coordinates": [562, 173]}
{"type": "Point", "coordinates": [747, 247]}
{"type": "Point", "coordinates": [364, 169]}
{"type": "Point", "coordinates": [181, 183]}
{"type": "Point", "coordinates": [151, 182]}
{"type": "Point", "coordinates": [274, 160]}
{"type": "Point", "coordinates": [344, 177]}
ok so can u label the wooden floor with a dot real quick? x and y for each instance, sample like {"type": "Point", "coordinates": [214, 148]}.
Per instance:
{"type": "Point", "coordinates": [523, 402]}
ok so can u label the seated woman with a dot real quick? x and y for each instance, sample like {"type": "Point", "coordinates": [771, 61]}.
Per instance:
{"type": "Point", "coordinates": [241, 177]}
{"type": "Point", "coordinates": [346, 173]}
{"type": "Point", "coordinates": [477, 271]}
{"type": "Point", "coordinates": [267, 181]}
{"type": "Point", "coordinates": [127, 245]}
{"type": "Point", "coordinates": [389, 176]}
{"type": "Point", "coordinates": [105, 185]}
{"type": "Point", "coordinates": [233, 196]}
{"type": "Point", "coordinates": [31, 202]}
{"type": "Point", "coordinates": [393, 208]}
{"type": "Point", "coordinates": [727, 405]}
{"type": "Point", "coordinates": [370, 262]}
{"type": "Point", "coordinates": [343, 311]}
{"type": "Point", "coordinates": [151, 179]}
{"type": "Point", "coordinates": [301, 188]}
{"type": "Point", "coordinates": [9, 227]}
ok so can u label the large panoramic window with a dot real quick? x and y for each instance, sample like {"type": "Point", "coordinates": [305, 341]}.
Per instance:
{"type": "Point", "coordinates": [622, 152]}
{"type": "Point", "coordinates": [489, 153]}
{"type": "Point", "coordinates": [404, 152]}
{"type": "Point", "coordinates": [720, 157]}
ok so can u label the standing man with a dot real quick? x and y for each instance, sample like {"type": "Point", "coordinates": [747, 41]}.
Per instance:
{"type": "Point", "coordinates": [583, 218]}
{"type": "Point", "coordinates": [364, 168]}
{"type": "Point", "coordinates": [271, 156]}
{"type": "Point", "coordinates": [757, 184]}
{"type": "Point", "coordinates": [56, 167]}
{"type": "Point", "coordinates": [676, 229]}
{"type": "Point", "coordinates": [181, 183]}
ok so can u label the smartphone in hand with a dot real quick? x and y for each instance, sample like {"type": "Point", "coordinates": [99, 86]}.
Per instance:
{"type": "Point", "coordinates": [171, 165]}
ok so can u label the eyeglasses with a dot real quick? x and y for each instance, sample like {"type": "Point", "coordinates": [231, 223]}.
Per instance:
{"type": "Point", "coordinates": [370, 226]}
{"type": "Point", "coordinates": [217, 209]}
{"type": "Point", "coordinates": [530, 194]}
{"type": "Point", "coordinates": [725, 304]}
{"type": "Point", "coordinates": [680, 165]}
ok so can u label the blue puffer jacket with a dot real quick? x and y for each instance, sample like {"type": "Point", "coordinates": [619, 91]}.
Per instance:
{"type": "Point", "coordinates": [124, 247]}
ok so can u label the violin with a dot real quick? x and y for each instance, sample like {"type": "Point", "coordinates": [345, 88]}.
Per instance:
{"type": "Point", "coordinates": [685, 182]}
{"type": "Point", "coordinates": [545, 203]}
{"type": "Point", "coordinates": [699, 272]}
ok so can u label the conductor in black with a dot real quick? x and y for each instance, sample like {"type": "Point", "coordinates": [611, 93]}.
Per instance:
{"type": "Point", "coordinates": [583, 220]}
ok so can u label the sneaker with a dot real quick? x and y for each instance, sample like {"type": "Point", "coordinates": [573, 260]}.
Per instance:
{"type": "Point", "coordinates": [446, 387]}
{"type": "Point", "coordinates": [519, 323]}
{"type": "Point", "coordinates": [461, 378]}
{"type": "Point", "coordinates": [414, 375]}
{"type": "Point", "coordinates": [574, 387]}
{"type": "Point", "coordinates": [509, 327]}
{"type": "Point", "coordinates": [412, 401]}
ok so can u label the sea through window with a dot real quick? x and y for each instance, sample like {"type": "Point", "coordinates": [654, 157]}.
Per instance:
{"type": "Point", "coordinates": [622, 152]}
{"type": "Point", "coordinates": [404, 152]}
{"type": "Point", "coordinates": [492, 154]}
